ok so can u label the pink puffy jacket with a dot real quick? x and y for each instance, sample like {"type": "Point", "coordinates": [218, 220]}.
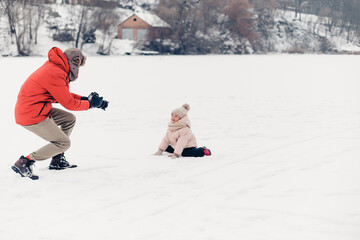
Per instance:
{"type": "Point", "coordinates": [179, 139]}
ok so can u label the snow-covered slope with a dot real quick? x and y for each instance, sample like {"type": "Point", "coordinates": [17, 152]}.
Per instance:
{"type": "Point", "coordinates": [288, 34]}
{"type": "Point", "coordinates": [285, 143]}
{"type": "Point", "coordinates": [306, 34]}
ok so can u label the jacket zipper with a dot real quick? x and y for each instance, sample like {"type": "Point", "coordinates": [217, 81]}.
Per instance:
{"type": "Point", "coordinates": [42, 108]}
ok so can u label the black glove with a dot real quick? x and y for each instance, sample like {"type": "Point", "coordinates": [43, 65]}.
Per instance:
{"type": "Point", "coordinates": [95, 100]}
{"type": "Point", "coordinates": [104, 104]}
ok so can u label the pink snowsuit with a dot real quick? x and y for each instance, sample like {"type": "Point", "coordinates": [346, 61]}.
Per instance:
{"type": "Point", "coordinates": [180, 138]}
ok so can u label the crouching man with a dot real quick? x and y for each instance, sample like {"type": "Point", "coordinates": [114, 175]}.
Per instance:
{"type": "Point", "coordinates": [47, 85]}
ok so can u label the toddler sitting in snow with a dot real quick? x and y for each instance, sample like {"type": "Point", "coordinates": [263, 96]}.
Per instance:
{"type": "Point", "coordinates": [179, 139]}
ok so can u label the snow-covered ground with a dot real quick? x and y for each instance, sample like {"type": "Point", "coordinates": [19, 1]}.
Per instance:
{"type": "Point", "coordinates": [284, 132]}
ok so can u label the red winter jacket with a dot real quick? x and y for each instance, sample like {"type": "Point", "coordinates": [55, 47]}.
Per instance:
{"type": "Point", "coordinates": [49, 84]}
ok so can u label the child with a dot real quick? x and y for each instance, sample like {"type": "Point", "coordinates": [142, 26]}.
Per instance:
{"type": "Point", "coordinates": [179, 140]}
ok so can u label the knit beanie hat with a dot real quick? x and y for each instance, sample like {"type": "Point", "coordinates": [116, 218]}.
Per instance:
{"type": "Point", "coordinates": [182, 111]}
{"type": "Point", "coordinates": [75, 59]}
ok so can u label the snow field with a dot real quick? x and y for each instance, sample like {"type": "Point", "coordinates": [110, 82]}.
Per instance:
{"type": "Point", "coordinates": [284, 132]}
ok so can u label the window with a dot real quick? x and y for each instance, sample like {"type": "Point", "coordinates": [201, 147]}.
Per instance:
{"type": "Point", "coordinates": [126, 33]}
{"type": "Point", "coordinates": [142, 34]}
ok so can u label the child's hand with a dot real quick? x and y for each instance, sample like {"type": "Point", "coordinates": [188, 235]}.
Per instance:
{"type": "Point", "coordinates": [159, 152]}
{"type": "Point", "coordinates": [174, 155]}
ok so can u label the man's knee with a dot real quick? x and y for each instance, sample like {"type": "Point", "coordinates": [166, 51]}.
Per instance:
{"type": "Point", "coordinates": [71, 119]}
{"type": "Point", "coordinates": [63, 143]}
{"type": "Point", "coordinates": [69, 123]}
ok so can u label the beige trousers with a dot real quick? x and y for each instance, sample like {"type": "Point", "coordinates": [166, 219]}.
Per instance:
{"type": "Point", "coordinates": [58, 137]}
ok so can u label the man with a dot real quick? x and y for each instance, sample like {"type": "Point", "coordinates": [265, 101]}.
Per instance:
{"type": "Point", "coordinates": [50, 84]}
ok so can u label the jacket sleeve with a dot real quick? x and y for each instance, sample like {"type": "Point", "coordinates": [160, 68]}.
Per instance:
{"type": "Point", "coordinates": [76, 96]}
{"type": "Point", "coordinates": [164, 143]}
{"type": "Point", "coordinates": [58, 88]}
{"type": "Point", "coordinates": [184, 138]}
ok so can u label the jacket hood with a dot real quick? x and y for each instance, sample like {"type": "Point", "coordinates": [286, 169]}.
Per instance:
{"type": "Point", "coordinates": [57, 57]}
{"type": "Point", "coordinates": [75, 59]}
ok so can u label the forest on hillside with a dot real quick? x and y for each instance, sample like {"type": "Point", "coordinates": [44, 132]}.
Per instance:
{"type": "Point", "coordinates": [197, 26]}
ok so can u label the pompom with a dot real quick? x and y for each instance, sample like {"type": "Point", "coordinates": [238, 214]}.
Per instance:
{"type": "Point", "coordinates": [186, 106]}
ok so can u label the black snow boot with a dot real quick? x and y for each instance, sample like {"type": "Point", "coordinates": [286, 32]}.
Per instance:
{"type": "Point", "coordinates": [24, 167]}
{"type": "Point", "coordinates": [59, 162]}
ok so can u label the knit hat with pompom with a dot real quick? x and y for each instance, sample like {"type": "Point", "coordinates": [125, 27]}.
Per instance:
{"type": "Point", "coordinates": [182, 111]}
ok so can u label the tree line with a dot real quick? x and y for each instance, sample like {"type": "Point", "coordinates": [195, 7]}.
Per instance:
{"type": "Point", "coordinates": [339, 16]}
{"type": "Point", "coordinates": [197, 26]}
{"type": "Point", "coordinates": [24, 17]}
{"type": "Point", "coordinates": [242, 26]}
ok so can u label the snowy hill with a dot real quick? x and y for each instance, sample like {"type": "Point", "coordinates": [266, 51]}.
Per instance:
{"type": "Point", "coordinates": [285, 144]}
{"type": "Point", "coordinates": [307, 35]}
{"type": "Point", "coordinates": [286, 35]}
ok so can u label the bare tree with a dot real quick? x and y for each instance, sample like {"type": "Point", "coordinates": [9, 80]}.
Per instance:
{"type": "Point", "coordinates": [264, 16]}
{"type": "Point", "coordinates": [299, 6]}
{"type": "Point", "coordinates": [80, 19]}
{"type": "Point", "coordinates": [350, 17]}
{"type": "Point", "coordinates": [36, 16]}
{"type": "Point", "coordinates": [240, 20]}
{"type": "Point", "coordinates": [24, 18]}
{"type": "Point", "coordinates": [105, 22]}
{"type": "Point", "coordinates": [192, 21]}
{"type": "Point", "coordinates": [180, 15]}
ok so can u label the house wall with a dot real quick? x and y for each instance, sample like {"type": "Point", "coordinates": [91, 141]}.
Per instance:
{"type": "Point", "coordinates": [133, 23]}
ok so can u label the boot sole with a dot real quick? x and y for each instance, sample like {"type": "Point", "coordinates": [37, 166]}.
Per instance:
{"type": "Point", "coordinates": [33, 177]}
{"type": "Point", "coordinates": [61, 168]}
